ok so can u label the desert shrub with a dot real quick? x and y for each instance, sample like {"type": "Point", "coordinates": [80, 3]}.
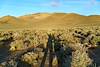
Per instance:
{"type": "Point", "coordinates": [39, 39]}
{"type": "Point", "coordinates": [33, 58]}
{"type": "Point", "coordinates": [80, 58]}
{"type": "Point", "coordinates": [35, 38]}
{"type": "Point", "coordinates": [16, 45]}
{"type": "Point", "coordinates": [96, 40]}
{"type": "Point", "coordinates": [5, 36]}
{"type": "Point", "coordinates": [30, 57]}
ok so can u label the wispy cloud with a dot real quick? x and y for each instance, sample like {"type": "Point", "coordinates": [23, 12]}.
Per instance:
{"type": "Point", "coordinates": [91, 3]}
{"type": "Point", "coordinates": [55, 3]}
{"type": "Point", "coordinates": [52, 3]}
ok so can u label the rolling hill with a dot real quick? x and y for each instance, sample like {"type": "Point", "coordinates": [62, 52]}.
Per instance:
{"type": "Point", "coordinates": [48, 21]}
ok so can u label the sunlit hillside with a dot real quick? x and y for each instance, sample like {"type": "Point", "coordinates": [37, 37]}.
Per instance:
{"type": "Point", "coordinates": [48, 21]}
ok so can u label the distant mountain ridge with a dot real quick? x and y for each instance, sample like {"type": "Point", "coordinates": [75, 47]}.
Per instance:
{"type": "Point", "coordinates": [48, 20]}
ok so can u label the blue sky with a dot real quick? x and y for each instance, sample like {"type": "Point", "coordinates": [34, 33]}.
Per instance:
{"type": "Point", "coordinates": [24, 7]}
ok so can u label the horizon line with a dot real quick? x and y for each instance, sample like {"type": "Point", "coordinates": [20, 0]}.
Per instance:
{"type": "Point", "coordinates": [50, 13]}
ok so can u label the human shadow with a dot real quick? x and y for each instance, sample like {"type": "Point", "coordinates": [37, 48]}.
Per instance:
{"type": "Point", "coordinates": [4, 50]}
{"type": "Point", "coordinates": [50, 49]}
{"type": "Point", "coordinates": [94, 54]}
{"type": "Point", "coordinates": [56, 48]}
{"type": "Point", "coordinates": [62, 53]}
{"type": "Point", "coordinates": [23, 64]}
